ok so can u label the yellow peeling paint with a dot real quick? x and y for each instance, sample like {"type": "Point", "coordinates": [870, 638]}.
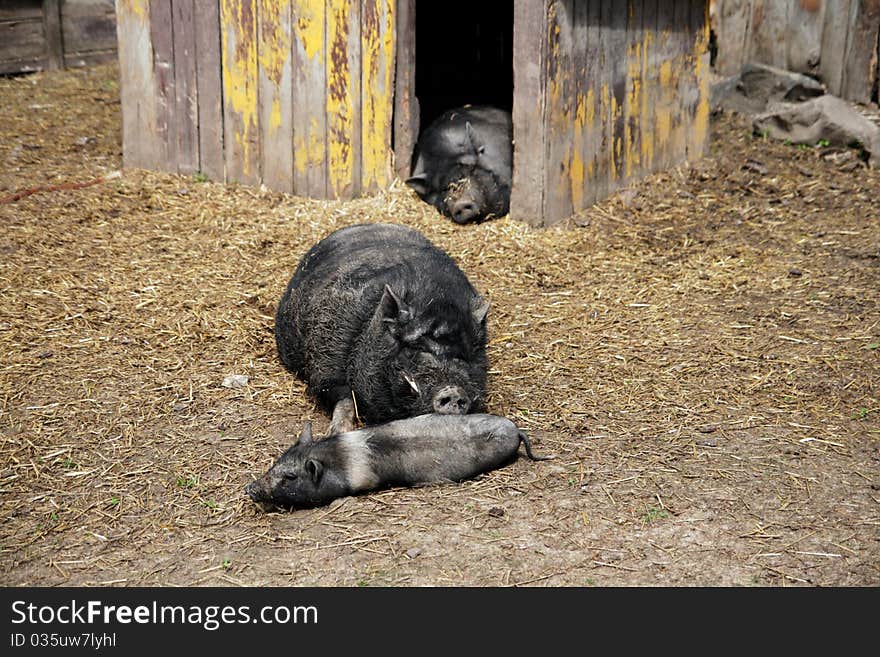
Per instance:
{"type": "Point", "coordinates": [665, 73]}
{"type": "Point", "coordinates": [664, 116]}
{"type": "Point", "coordinates": [139, 8]}
{"type": "Point", "coordinates": [376, 104]}
{"type": "Point", "coordinates": [605, 116]}
{"type": "Point", "coordinates": [275, 114]}
{"type": "Point", "coordinates": [646, 114]}
{"type": "Point", "coordinates": [309, 135]}
{"type": "Point", "coordinates": [614, 156]}
{"type": "Point", "coordinates": [308, 147]}
{"type": "Point", "coordinates": [310, 27]}
{"type": "Point", "coordinates": [340, 100]}
{"type": "Point", "coordinates": [591, 121]}
{"type": "Point", "coordinates": [274, 53]}
{"type": "Point", "coordinates": [577, 158]}
{"type": "Point", "coordinates": [700, 124]}
{"type": "Point", "coordinates": [634, 74]}
{"type": "Point", "coordinates": [239, 41]}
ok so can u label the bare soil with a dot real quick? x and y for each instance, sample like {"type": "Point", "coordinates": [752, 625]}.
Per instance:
{"type": "Point", "coordinates": [700, 351]}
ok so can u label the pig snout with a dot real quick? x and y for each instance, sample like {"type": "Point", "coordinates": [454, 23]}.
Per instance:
{"type": "Point", "coordinates": [256, 490]}
{"type": "Point", "coordinates": [464, 210]}
{"type": "Point", "coordinates": [451, 400]}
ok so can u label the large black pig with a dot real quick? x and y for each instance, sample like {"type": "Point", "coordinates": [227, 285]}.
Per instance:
{"type": "Point", "coordinates": [464, 163]}
{"type": "Point", "coordinates": [381, 323]}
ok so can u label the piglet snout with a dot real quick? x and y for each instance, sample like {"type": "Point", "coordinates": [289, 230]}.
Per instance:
{"type": "Point", "coordinates": [451, 400]}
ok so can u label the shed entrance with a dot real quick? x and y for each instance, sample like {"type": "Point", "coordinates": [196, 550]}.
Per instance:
{"type": "Point", "coordinates": [464, 55]}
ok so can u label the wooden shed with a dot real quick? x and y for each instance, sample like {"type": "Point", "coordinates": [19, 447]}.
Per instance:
{"type": "Point", "coordinates": [37, 35]}
{"type": "Point", "coordinates": [324, 98]}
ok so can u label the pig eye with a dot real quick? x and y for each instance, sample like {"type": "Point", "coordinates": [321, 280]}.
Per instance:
{"type": "Point", "coordinates": [290, 476]}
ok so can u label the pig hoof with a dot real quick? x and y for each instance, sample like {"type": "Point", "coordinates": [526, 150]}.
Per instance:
{"type": "Point", "coordinates": [343, 417]}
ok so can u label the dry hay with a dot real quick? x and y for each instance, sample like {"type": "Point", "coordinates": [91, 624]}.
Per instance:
{"type": "Point", "coordinates": [701, 350]}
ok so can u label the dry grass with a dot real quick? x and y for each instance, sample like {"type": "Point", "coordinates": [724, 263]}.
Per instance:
{"type": "Point", "coordinates": [701, 350]}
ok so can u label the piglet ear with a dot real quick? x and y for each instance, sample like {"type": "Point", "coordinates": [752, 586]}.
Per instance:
{"type": "Point", "coordinates": [314, 469]}
{"type": "Point", "coordinates": [419, 183]}
{"type": "Point", "coordinates": [479, 309]}
{"type": "Point", "coordinates": [305, 436]}
{"type": "Point", "coordinates": [392, 310]}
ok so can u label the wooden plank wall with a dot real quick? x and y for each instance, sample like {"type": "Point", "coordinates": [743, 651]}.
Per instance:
{"type": "Point", "coordinates": [22, 41]}
{"type": "Point", "coordinates": [88, 31]}
{"type": "Point", "coordinates": [835, 40]}
{"type": "Point", "coordinates": [607, 91]}
{"type": "Point", "coordinates": [293, 94]}
{"type": "Point", "coordinates": [52, 34]}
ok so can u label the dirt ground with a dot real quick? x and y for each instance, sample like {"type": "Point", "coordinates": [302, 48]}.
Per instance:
{"type": "Point", "coordinates": [700, 351]}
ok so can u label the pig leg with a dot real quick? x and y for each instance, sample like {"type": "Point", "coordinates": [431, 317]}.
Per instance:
{"type": "Point", "coordinates": [343, 417]}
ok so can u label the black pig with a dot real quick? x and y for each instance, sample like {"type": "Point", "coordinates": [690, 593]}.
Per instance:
{"type": "Point", "coordinates": [380, 322]}
{"type": "Point", "coordinates": [426, 449]}
{"type": "Point", "coordinates": [464, 163]}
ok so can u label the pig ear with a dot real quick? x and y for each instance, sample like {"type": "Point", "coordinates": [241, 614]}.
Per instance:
{"type": "Point", "coordinates": [314, 469]}
{"type": "Point", "coordinates": [478, 149]}
{"type": "Point", "coordinates": [419, 183]}
{"type": "Point", "coordinates": [391, 309]}
{"type": "Point", "coordinates": [305, 436]}
{"type": "Point", "coordinates": [479, 309]}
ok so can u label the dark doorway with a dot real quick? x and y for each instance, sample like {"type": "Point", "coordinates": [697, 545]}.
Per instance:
{"type": "Point", "coordinates": [464, 55]}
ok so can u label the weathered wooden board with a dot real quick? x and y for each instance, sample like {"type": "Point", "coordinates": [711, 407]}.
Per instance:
{"type": "Point", "coordinates": [309, 99]}
{"type": "Point", "coordinates": [140, 147]}
{"type": "Point", "coordinates": [604, 157]}
{"type": "Point", "coordinates": [343, 98]}
{"type": "Point", "coordinates": [22, 44]}
{"type": "Point", "coordinates": [559, 108]}
{"type": "Point", "coordinates": [54, 33]}
{"type": "Point", "coordinates": [276, 94]}
{"type": "Point", "coordinates": [695, 97]}
{"type": "Point", "coordinates": [529, 79]}
{"type": "Point", "coordinates": [240, 90]}
{"type": "Point", "coordinates": [406, 104]}
{"type": "Point", "coordinates": [667, 104]}
{"type": "Point", "coordinates": [20, 10]}
{"type": "Point", "coordinates": [633, 91]}
{"type": "Point", "coordinates": [682, 82]}
{"type": "Point", "coordinates": [209, 90]}
{"type": "Point", "coordinates": [733, 21]}
{"type": "Point", "coordinates": [378, 30]}
{"type": "Point", "coordinates": [186, 99]}
{"type": "Point", "coordinates": [650, 92]}
{"type": "Point", "coordinates": [161, 35]}
{"type": "Point", "coordinates": [583, 54]}
{"type": "Point", "coordinates": [769, 28]}
{"type": "Point", "coordinates": [834, 43]}
{"type": "Point", "coordinates": [616, 54]}
{"type": "Point", "coordinates": [89, 27]}
{"type": "Point", "coordinates": [804, 36]}
{"type": "Point", "coordinates": [861, 57]}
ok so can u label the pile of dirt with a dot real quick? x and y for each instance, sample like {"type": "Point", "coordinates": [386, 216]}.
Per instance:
{"type": "Point", "coordinates": [700, 350]}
